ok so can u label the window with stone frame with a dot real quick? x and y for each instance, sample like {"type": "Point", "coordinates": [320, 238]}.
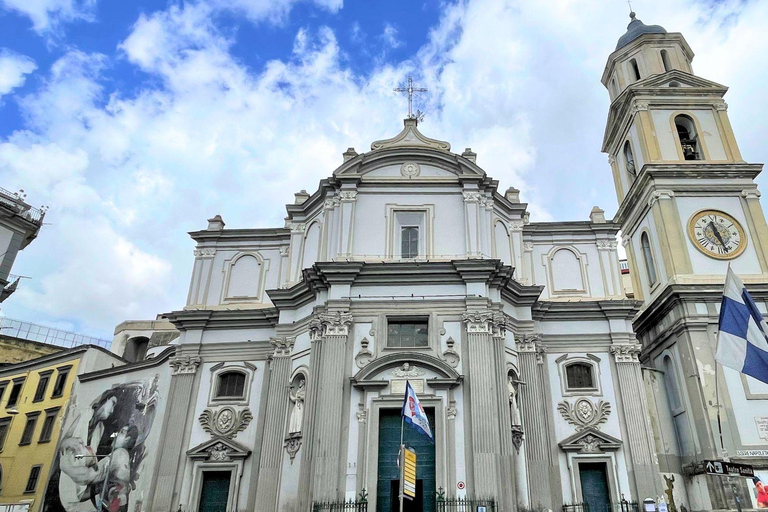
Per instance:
{"type": "Point", "coordinates": [61, 379]}
{"type": "Point", "coordinates": [579, 376]}
{"type": "Point", "coordinates": [13, 398]}
{"type": "Point", "coordinates": [42, 386]}
{"type": "Point", "coordinates": [407, 332]}
{"type": "Point", "coordinates": [50, 421]}
{"type": "Point", "coordinates": [29, 428]}
{"type": "Point", "coordinates": [5, 426]}
{"type": "Point", "coordinates": [3, 387]}
{"type": "Point", "coordinates": [34, 476]}
{"type": "Point", "coordinates": [230, 384]}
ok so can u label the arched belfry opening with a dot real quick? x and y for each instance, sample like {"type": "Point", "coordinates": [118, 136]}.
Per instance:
{"type": "Point", "coordinates": [689, 138]}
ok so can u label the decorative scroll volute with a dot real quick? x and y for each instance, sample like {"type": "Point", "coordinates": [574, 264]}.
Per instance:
{"type": "Point", "coordinates": [478, 322]}
{"type": "Point", "coordinates": [184, 365]}
{"type": "Point", "coordinates": [282, 345]}
{"type": "Point", "coordinates": [329, 324]}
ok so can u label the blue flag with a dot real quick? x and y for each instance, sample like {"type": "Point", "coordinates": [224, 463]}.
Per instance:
{"type": "Point", "coordinates": [742, 343]}
{"type": "Point", "coordinates": [413, 413]}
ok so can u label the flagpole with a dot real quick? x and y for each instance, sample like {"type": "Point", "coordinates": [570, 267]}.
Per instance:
{"type": "Point", "coordinates": [401, 455]}
{"type": "Point", "coordinates": [717, 379]}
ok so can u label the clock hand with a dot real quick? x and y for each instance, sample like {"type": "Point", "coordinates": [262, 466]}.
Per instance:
{"type": "Point", "coordinates": [717, 235]}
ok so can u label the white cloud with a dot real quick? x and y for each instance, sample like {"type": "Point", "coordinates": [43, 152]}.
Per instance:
{"type": "Point", "coordinates": [389, 36]}
{"type": "Point", "coordinates": [13, 70]}
{"type": "Point", "coordinates": [47, 15]}
{"type": "Point", "coordinates": [128, 175]}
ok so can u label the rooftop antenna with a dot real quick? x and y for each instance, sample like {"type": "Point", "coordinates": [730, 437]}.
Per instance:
{"type": "Point", "coordinates": [410, 90]}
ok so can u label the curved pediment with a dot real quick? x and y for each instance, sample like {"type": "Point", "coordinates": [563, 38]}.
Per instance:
{"type": "Point", "coordinates": [411, 137]}
{"type": "Point", "coordinates": [438, 366]}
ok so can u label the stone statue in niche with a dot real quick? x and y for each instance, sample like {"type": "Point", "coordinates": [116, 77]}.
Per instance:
{"type": "Point", "coordinates": [297, 411]}
{"type": "Point", "coordinates": [514, 404]}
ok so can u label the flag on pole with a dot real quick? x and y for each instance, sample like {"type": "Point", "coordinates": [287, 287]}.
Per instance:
{"type": "Point", "coordinates": [742, 343]}
{"type": "Point", "coordinates": [414, 414]}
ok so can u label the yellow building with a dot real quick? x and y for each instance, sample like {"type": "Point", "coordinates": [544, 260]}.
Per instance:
{"type": "Point", "coordinates": [33, 398]}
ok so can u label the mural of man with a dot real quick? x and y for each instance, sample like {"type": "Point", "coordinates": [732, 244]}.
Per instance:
{"type": "Point", "coordinates": [761, 493]}
{"type": "Point", "coordinates": [102, 463]}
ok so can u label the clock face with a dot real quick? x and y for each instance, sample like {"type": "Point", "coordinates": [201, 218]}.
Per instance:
{"type": "Point", "coordinates": [717, 234]}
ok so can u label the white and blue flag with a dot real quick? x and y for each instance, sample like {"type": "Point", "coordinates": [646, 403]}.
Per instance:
{"type": "Point", "coordinates": [742, 343]}
{"type": "Point", "coordinates": [414, 414]}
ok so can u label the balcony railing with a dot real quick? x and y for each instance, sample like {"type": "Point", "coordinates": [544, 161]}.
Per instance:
{"type": "Point", "coordinates": [49, 335]}
{"type": "Point", "coordinates": [15, 201]}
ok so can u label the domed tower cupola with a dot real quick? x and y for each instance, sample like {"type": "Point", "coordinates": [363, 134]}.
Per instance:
{"type": "Point", "coordinates": [644, 50]}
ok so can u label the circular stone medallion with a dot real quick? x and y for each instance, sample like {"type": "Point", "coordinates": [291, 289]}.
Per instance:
{"type": "Point", "coordinates": [410, 169]}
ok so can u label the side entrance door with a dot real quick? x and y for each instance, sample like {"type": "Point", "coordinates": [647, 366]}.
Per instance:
{"type": "Point", "coordinates": [594, 486]}
{"type": "Point", "coordinates": [388, 484]}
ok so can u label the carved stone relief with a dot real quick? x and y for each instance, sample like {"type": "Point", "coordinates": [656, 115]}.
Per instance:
{"type": "Point", "coordinates": [517, 437]}
{"type": "Point", "coordinates": [207, 252]}
{"type": "Point", "coordinates": [407, 371]}
{"type": "Point", "coordinates": [329, 324]}
{"type": "Point", "coordinates": [225, 422]}
{"type": "Point", "coordinates": [410, 169]}
{"type": "Point", "coordinates": [364, 356]}
{"type": "Point", "coordinates": [626, 353]}
{"type": "Point", "coordinates": [450, 355]}
{"type": "Point", "coordinates": [584, 414]}
{"type": "Point", "coordinates": [219, 452]}
{"type": "Point", "coordinates": [292, 445]}
{"type": "Point", "coordinates": [184, 365]}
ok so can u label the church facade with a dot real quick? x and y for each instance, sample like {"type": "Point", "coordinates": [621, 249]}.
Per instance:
{"type": "Point", "coordinates": [544, 384]}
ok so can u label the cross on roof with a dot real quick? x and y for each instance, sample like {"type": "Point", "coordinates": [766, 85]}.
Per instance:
{"type": "Point", "coordinates": [410, 90]}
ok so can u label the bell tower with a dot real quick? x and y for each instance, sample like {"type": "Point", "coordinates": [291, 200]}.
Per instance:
{"type": "Point", "coordinates": [688, 207]}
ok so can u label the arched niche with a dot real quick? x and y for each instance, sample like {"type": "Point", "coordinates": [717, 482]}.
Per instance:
{"type": "Point", "coordinates": [567, 271]}
{"type": "Point", "coordinates": [311, 245]}
{"type": "Point", "coordinates": [245, 275]}
{"type": "Point", "coordinates": [136, 348]}
{"type": "Point", "coordinates": [502, 242]}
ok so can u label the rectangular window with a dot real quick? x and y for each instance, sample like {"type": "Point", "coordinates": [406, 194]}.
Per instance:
{"type": "Point", "coordinates": [34, 476]}
{"type": "Point", "coordinates": [409, 239]}
{"type": "Point", "coordinates": [5, 426]}
{"type": "Point", "coordinates": [408, 333]}
{"type": "Point", "coordinates": [48, 423]}
{"type": "Point", "coordinates": [3, 387]}
{"type": "Point", "coordinates": [13, 398]}
{"type": "Point", "coordinates": [61, 380]}
{"type": "Point", "coordinates": [29, 429]}
{"type": "Point", "coordinates": [42, 386]}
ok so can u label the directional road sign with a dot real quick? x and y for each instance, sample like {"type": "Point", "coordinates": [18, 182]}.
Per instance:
{"type": "Point", "coordinates": [722, 468]}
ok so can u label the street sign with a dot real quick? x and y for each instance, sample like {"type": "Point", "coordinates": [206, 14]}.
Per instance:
{"type": "Point", "coordinates": [722, 468]}
{"type": "Point", "coordinates": [409, 474]}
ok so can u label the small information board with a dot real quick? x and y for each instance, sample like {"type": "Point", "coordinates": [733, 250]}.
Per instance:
{"type": "Point", "coordinates": [722, 468]}
{"type": "Point", "coordinates": [409, 474]}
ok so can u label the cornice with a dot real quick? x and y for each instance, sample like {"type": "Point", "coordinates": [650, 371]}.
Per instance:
{"type": "Point", "coordinates": [586, 310]}
{"type": "Point", "coordinates": [185, 320]}
{"type": "Point", "coordinates": [50, 359]}
{"type": "Point", "coordinates": [153, 362]}
{"type": "Point", "coordinates": [644, 40]}
{"type": "Point", "coordinates": [571, 228]}
{"type": "Point", "coordinates": [699, 177]}
{"type": "Point", "coordinates": [242, 235]}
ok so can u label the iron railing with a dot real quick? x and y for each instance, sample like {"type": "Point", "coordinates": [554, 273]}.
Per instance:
{"type": "Point", "coordinates": [465, 505]}
{"type": "Point", "coordinates": [621, 506]}
{"type": "Point", "coordinates": [341, 506]}
{"type": "Point", "coordinates": [49, 335]}
{"type": "Point", "coordinates": [15, 202]}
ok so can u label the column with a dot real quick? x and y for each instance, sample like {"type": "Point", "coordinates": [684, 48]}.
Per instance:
{"type": "Point", "coordinates": [533, 405]}
{"type": "Point", "coordinates": [183, 369]}
{"type": "Point", "coordinates": [507, 492]}
{"type": "Point", "coordinates": [274, 424]}
{"type": "Point", "coordinates": [484, 403]}
{"type": "Point", "coordinates": [333, 331]}
{"type": "Point", "coordinates": [634, 404]}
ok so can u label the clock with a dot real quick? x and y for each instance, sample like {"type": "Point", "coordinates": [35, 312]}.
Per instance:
{"type": "Point", "coordinates": [717, 234]}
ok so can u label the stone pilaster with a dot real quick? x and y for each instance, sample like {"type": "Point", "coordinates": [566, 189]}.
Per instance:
{"type": "Point", "coordinates": [491, 450]}
{"type": "Point", "coordinates": [533, 403]}
{"type": "Point", "coordinates": [183, 370]}
{"type": "Point", "coordinates": [633, 402]}
{"type": "Point", "coordinates": [274, 424]}
{"type": "Point", "coordinates": [330, 332]}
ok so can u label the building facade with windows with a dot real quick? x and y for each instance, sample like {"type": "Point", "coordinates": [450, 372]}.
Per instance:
{"type": "Point", "coordinates": [284, 386]}
{"type": "Point", "coordinates": [34, 396]}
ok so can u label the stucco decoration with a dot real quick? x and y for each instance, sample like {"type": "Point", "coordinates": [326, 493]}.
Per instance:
{"type": "Point", "coordinates": [292, 445]}
{"type": "Point", "coordinates": [297, 396]}
{"type": "Point", "coordinates": [517, 437]}
{"type": "Point", "coordinates": [364, 356]}
{"type": "Point", "coordinates": [225, 422]}
{"type": "Point", "coordinates": [108, 461]}
{"type": "Point", "coordinates": [626, 353]}
{"type": "Point", "coordinates": [410, 137]}
{"type": "Point", "coordinates": [590, 440]}
{"type": "Point", "coordinates": [407, 371]}
{"type": "Point", "coordinates": [478, 322]}
{"type": "Point", "coordinates": [584, 414]}
{"type": "Point", "coordinates": [184, 365]}
{"type": "Point", "coordinates": [450, 355]}
{"type": "Point", "coordinates": [410, 169]}
{"type": "Point", "coordinates": [330, 324]}
{"type": "Point", "coordinates": [219, 453]}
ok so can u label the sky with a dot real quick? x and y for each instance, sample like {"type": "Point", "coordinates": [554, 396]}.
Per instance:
{"type": "Point", "coordinates": [135, 121]}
